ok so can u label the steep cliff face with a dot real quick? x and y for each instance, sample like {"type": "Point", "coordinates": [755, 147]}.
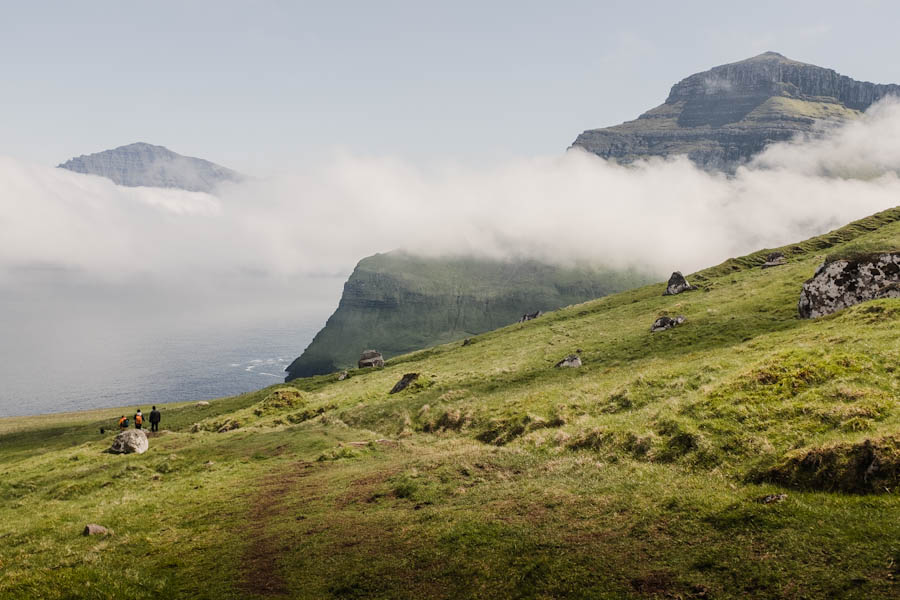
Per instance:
{"type": "Point", "coordinates": [397, 303]}
{"type": "Point", "coordinates": [143, 164]}
{"type": "Point", "coordinates": [722, 117]}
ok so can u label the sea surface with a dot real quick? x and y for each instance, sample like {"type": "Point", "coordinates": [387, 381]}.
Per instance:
{"type": "Point", "coordinates": [66, 362]}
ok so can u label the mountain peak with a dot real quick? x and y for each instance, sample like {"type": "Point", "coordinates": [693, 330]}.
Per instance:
{"type": "Point", "coordinates": [723, 116]}
{"type": "Point", "coordinates": [143, 164]}
{"type": "Point", "coordinates": [770, 55]}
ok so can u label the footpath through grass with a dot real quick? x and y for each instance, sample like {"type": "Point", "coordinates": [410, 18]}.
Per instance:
{"type": "Point", "coordinates": [642, 474]}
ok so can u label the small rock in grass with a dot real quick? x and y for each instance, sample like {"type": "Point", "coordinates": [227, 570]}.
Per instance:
{"type": "Point", "coordinates": [572, 361]}
{"type": "Point", "coordinates": [92, 529]}
{"type": "Point", "coordinates": [530, 316]}
{"type": "Point", "coordinates": [370, 359]}
{"type": "Point", "coordinates": [663, 323]}
{"type": "Point", "coordinates": [203, 403]}
{"type": "Point", "coordinates": [774, 259]}
{"type": "Point", "coordinates": [772, 499]}
{"type": "Point", "coordinates": [343, 375]}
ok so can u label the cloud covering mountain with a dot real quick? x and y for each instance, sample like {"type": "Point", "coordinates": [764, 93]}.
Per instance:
{"type": "Point", "coordinates": [659, 214]}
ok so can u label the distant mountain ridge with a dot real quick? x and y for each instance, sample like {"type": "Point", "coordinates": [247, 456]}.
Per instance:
{"type": "Point", "coordinates": [722, 117]}
{"type": "Point", "coordinates": [142, 164]}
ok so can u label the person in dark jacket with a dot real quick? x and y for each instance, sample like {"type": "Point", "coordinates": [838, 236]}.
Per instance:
{"type": "Point", "coordinates": [154, 419]}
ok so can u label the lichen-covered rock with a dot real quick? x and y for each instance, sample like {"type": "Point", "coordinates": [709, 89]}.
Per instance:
{"type": "Point", "coordinates": [573, 361]}
{"type": "Point", "coordinates": [839, 284]}
{"type": "Point", "coordinates": [130, 441]}
{"type": "Point", "coordinates": [774, 259]}
{"type": "Point", "coordinates": [229, 425]}
{"type": "Point", "coordinates": [371, 358]}
{"type": "Point", "coordinates": [663, 323]}
{"type": "Point", "coordinates": [677, 284]}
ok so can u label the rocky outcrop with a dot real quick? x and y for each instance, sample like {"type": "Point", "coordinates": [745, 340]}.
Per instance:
{"type": "Point", "coordinates": [143, 164]}
{"type": "Point", "coordinates": [370, 359]}
{"type": "Point", "coordinates": [722, 117]}
{"type": "Point", "coordinates": [399, 302]}
{"type": "Point", "coordinates": [229, 425]}
{"type": "Point", "coordinates": [677, 284]}
{"type": "Point", "coordinates": [530, 316]}
{"type": "Point", "coordinates": [130, 441]}
{"type": "Point", "coordinates": [839, 284]}
{"type": "Point", "coordinates": [663, 323]}
{"type": "Point", "coordinates": [404, 382]}
{"type": "Point", "coordinates": [573, 361]}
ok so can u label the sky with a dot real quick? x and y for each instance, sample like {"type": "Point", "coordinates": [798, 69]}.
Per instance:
{"type": "Point", "coordinates": [266, 86]}
{"type": "Point", "coordinates": [373, 126]}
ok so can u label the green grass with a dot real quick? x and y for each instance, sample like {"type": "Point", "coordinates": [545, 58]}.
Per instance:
{"type": "Point", "coordinates": [638, 475]}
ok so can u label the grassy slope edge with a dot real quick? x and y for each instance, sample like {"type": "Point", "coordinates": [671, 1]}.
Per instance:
{"type": "Point", "coordinates": [637, 475]}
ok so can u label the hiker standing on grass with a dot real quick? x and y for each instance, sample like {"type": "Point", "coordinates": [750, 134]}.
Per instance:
{"type": "Point", "coordinates": [123, 422]}
{"type": "Point", "coordinates": [154, 419]}
{"type": "Point", "coordinates": [138, 419]}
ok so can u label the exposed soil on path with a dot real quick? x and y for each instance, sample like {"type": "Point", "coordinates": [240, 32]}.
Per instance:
{"type": "Point", "coordinates": [260, 574]}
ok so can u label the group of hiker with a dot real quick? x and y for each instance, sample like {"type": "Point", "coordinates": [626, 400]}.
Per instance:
{"type": "Point", "coordinates": [139, 420]}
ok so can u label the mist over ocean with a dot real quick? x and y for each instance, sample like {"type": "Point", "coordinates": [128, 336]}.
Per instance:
{"type": "Point", "coordinates": [59, 361]}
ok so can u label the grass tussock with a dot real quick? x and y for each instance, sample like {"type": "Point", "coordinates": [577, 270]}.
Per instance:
{"type": "Point", "coordinates": [865, 467]}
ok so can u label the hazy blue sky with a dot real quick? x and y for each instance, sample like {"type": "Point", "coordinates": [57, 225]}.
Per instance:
{"type": "Point", "coordinates": [262, 85]}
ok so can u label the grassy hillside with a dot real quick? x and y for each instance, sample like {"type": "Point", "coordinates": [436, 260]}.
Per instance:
{"type": "Point", "coordinates": [398, 302]}
{"type": "Point", "coordinates": [639, 475]}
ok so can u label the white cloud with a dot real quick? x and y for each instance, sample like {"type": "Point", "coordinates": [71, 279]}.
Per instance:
{"type": "Point", "coordinates": [658, 215]}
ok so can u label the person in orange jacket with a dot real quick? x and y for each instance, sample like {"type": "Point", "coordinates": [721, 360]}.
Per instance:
{"type": "Point", "coordinates": [138, 419]}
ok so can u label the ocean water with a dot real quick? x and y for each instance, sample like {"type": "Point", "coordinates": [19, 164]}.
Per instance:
{"type": "Point", "coordinates": [64, 361]}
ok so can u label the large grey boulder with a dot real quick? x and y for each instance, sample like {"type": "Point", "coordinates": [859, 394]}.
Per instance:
{"type": "Point", "coordinates": [842, 283]}
{"type": "Point", "coordinates": [130, 441]}
{"type": "Point", "coordinates": [370, 358]}
{"type": "Point", "coordinates": [663, 323]}
{"type": "Point", "coordinates": [677, 284]}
